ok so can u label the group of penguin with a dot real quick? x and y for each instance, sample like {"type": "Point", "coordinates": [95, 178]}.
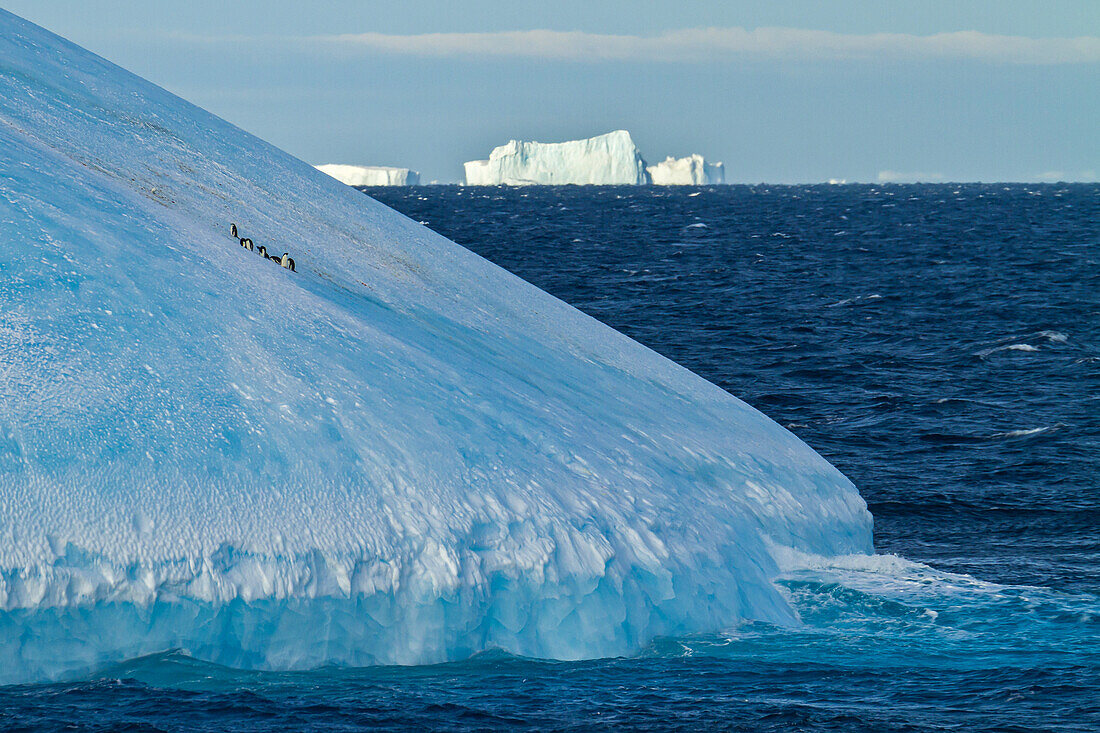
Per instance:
{"type": "Point", "coordinates": [286, 260]}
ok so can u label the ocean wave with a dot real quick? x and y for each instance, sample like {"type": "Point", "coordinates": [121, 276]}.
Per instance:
{"type": "Point", "coordinates": [1010, 347]}
{"type": "Point", "coordinates": [1023, 433]}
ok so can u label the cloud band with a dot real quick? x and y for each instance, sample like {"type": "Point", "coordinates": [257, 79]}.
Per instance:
{"type": "Point", "coordinates": [710, 44]}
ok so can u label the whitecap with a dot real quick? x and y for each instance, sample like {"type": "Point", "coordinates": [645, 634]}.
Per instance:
{"type": "Point", "coordinates": [857, 299]}
{"type": "Point", "coordinates": [1023, 433]}
{"type": "Point", "coordinates": [1010, 347]}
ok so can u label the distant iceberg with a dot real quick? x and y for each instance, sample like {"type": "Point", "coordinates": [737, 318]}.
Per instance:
{"type": "Point", "coordinates": [400, 453]}
{"type": "Point", "coordinates": [611, 159]}
{"type": "Point", "coordinates": [371, 175]}
{"type": "Point", "coordinates": [690, 171]}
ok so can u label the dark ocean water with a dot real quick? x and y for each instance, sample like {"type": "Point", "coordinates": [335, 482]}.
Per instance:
{"type": "Point", "coordinates": [940, 344]}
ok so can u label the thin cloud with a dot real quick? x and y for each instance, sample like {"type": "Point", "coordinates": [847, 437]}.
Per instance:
{"type": "Point", "coordinates": [709, 44]}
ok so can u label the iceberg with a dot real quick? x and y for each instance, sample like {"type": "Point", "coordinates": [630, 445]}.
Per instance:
{"type": "Point", "coordinates": [398, 453]}
{"type": "Point", "coordinates": [371, 175]}
{"type": "Point", "coordinates": [690, 171]}
{"type": "Point", "coordinates": [611, 159]}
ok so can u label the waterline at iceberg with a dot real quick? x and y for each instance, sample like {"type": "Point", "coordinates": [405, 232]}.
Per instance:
{"type": "Point", "coordinates": [400, 453]}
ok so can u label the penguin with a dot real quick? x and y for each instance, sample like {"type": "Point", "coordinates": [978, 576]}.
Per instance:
{"type": "Point", "coordinates": [263, 252]}
{"type": "Point", "coordinates": [233, 230]}
{"type": "Point", "coordinates": [247, 244]}
{"type": "Point", "coordinates": [287, 261]}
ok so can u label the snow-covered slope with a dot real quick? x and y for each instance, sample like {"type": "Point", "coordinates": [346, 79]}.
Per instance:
{"type": "Point", "coordinates": [605, 159]}
{"type": "Point", "coordinates": [690, 171]}
{"type": "Point", "coordinates": [398, 453]}
{"type": "Point", "coordinates": [371, 175]}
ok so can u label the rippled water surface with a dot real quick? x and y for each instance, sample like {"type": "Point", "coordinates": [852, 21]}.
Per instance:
{"type": "Point", "coordinates": [939, 344]}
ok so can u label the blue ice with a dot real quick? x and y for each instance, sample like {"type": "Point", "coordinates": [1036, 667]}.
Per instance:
{"type": "Point", "coordinates": [400, 453]}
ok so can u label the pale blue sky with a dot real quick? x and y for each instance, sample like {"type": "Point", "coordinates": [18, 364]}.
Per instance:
{"type": "Point", "coordinates": [781, 91]}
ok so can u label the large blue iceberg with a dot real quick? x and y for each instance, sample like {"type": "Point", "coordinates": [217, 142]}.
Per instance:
{"type": "Point", "coordinates": [399, 453]}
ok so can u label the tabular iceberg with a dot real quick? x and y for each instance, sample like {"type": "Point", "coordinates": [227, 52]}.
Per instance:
{"type": "Point", "coordinates": [400, 453]}
{"type": "Point", "coordinates": [605, 159]}
{"type": "Point", "coordinates": [371, 175]}
{"type": "Point", "coordinates": [690, 171]}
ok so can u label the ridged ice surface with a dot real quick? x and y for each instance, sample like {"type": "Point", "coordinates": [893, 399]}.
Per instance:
{"type": "Point", "coordinates": [398, 453]}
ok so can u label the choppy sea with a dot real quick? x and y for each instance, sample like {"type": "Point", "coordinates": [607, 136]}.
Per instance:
{"type": "Point", "coordinates": [940, 344]}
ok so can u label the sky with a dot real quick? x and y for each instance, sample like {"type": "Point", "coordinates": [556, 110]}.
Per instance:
{"type": "Point", "coordinates": [782, 92]}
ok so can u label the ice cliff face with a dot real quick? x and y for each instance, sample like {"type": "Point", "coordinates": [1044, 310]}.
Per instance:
{"type": "Point", "coordinates": [610, 159]}
{"type": "Point", "coordinates": [371, 175]}
{"type": "Point", "coordinates": [690, 171]}
{"type": "Point", "coordinates": [605, 159]}
{"type": "Point", "coordinates": [399, 453]}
